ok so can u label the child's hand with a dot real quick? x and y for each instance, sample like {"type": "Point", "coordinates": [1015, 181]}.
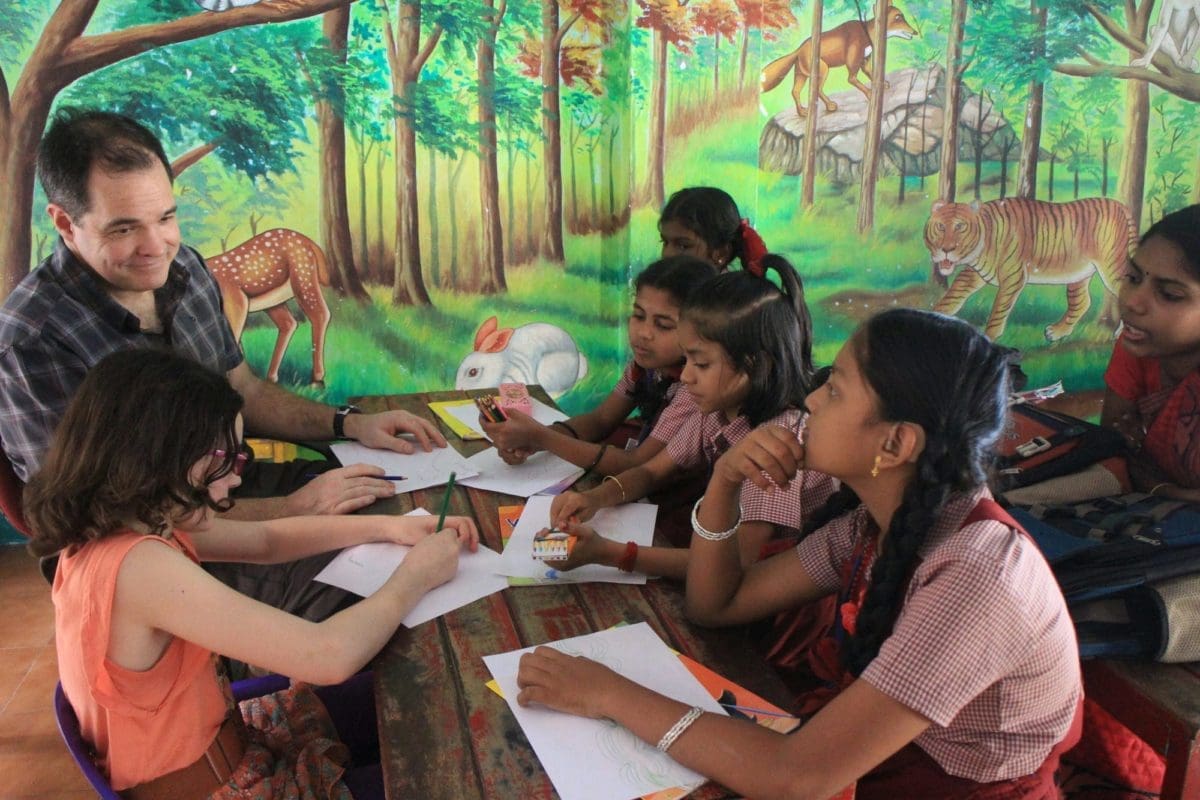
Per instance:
{"type": "Point", "coordinates": [570, 507]}
{"type": "Point", "coordinates": [518, 432]}
{"type": "Point", "coordinates": [589, 548]}
{"type": "Point", "coordinates": [573, 684]}
{"type": "Point", "coordinates": [514, 457]}
{"type": "Point", "coordinates": [434, 559]}
{"type": "Point", "coordinates": [411, 530]}
{"type": "Point", "coordinates": [1130, 426]}
{"type": "Point", "coordinates": [770, 449]}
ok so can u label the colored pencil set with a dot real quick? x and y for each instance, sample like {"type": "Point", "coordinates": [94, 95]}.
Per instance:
{"type": "Point", "coordinates": [488, 408]}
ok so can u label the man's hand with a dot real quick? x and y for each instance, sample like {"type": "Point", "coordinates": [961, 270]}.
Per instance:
{"type": "Point", "coordinates": [383, 430]}
{"type": "Point", "coordinates": [339, 491]}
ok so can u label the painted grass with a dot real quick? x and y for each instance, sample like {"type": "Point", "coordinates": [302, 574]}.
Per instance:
{"type": "Point", "coordinates": [377, 348]}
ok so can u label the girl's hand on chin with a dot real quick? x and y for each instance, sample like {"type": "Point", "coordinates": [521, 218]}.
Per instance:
{"type": "Point", "coordinates": [770, 449]}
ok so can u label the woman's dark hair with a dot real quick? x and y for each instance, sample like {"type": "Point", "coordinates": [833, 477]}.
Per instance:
{"type": "Point", "coordinates": [711, 214]}
{"type": "Point", "coordinates": [138, 423]}
{"type": "Point", "coordinates": [767, 333]}
{"type": "Point", "coordinates": [79, 139]}
{"type": "Point", "coordinates": [942, 374]}
{"type": "Point", "coordinates": [677, 276]}
{"type": "Point", "coordinates": [1182, 229]}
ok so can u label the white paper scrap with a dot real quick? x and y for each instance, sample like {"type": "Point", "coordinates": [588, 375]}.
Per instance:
{"type": "Point", "coordinates": [365, 568]}
{"type": "Point", "coordinates": [540, 472]}
{"type": "Point", "coordinates": [420, 469]}
{"type": "Point", "coordinates": [630, 522]}
{"type": "Point", "coordinates": [589, 759]}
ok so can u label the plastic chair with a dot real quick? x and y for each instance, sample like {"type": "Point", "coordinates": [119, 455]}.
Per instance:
{"type": "Point", "coordinates": [364, 782]}
{"type": "Point", "coordinates": [11, 488]}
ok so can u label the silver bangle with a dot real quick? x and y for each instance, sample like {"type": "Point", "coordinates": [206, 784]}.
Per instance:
{"type": "Point", "coordinates": [685, 722]}
{"type": "Point", "coordinates": [713, 536]}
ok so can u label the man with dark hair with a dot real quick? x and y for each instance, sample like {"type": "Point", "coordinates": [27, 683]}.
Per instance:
{"type": "Point", "coordinates": [119, 278]}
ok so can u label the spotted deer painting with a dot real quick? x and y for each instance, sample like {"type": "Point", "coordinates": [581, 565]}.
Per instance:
{"type": "Point", "coordinates": [262, 274]}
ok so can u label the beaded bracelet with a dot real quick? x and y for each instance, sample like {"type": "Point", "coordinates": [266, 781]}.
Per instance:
{"type": "Point", "coordinates": [685, 722]}
{"type": "Point", "coordinates": [617, 481]}
{"type": "Point", "coordinates": [713, 536]}
{"type": "Point", "coordinates": [570, 430]}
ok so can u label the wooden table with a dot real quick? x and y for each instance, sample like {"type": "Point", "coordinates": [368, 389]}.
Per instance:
{"type": "Point", "coordinates": [1161, 704]}
{"type": "Point", "coordinates": [443, 733]}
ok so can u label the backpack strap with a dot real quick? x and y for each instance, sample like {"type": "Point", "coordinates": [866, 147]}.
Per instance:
{"type": "Point", "coordinates": [987, 508]}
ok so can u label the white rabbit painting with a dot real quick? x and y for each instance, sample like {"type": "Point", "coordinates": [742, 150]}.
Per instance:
{"type": "Point", "coordinates": [538, 353]}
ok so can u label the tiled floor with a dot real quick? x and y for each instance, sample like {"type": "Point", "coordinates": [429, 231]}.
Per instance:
{"type": "Point", "coordinates": [33, 761]}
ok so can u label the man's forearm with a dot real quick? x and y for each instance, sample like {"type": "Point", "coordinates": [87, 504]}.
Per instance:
{"type": "Point", "coordinates": [277, 413]}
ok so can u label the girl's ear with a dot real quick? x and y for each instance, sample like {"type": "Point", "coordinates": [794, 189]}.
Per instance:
{"type": "Point", "coordinates": [722, 255]}
{"type": "Point", "coordinates": [904, 444]}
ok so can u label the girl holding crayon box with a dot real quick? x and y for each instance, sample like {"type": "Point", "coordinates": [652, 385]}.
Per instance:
{"type": "Point", "coordinates": [650, 385]}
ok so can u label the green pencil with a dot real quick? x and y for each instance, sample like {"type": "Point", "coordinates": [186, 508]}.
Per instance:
{"type": "Point", "coordinates": [445, 503]}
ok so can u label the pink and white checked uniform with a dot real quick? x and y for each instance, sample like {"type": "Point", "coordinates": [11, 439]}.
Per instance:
{"type": "Point", "coordinates": [983, 645]}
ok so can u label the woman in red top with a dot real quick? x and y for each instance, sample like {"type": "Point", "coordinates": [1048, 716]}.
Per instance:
{"type": "Point", "coordinates": [952, 672]}
{"type": "Point", "coordinates": [1153, 378]}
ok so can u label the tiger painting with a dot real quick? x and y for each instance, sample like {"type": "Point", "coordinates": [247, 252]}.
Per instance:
{"type": "Point", "coordinates": [1009, 243]}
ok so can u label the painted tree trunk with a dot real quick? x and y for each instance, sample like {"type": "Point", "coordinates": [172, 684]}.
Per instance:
{"type": "Point", "coordinates": [1031, 131]}
{"type": "Point", "coordinates": [335, 208]}
{"type": "Point", "coordinates": [552, 237]}
{"type": "Point", "coordinates": [492, 235]}
{"type": "Point", "coordinates": [1131, 185]}
{"type": "Point", "coordinates": [871, 151]}
{"type": "Point", "coordinates": [745, 52]}
{"type": "Point", "coordinates": [948, 174]}
{"type": "Point", "coordinates": [808, 178]}
{"type": "Point", "coordinates": [408, 286]}
{"type": "Point", "coordinates": [435, 250]}
{"type": "Point", "coordinates": [655, 179]}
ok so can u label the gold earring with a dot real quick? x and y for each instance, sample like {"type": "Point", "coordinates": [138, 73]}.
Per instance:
{"type": "Point", "coordinates": [875, 469]}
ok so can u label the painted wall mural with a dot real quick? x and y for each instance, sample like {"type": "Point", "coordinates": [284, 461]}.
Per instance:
{"type": "Point", "coordinates": [457, 192]}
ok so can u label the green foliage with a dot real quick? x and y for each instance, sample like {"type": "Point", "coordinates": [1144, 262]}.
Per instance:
{"type": "Point", "coordinates": [200, 91]}
{"type": "Point", "coordinates": [18, 24]}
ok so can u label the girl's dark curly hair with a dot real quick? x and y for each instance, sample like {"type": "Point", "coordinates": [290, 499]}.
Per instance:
{"type": "Point", "coordinates": [138, 423]}
{"type": "Point", "coordinates": [942, 374]}
{"type": "Point", "coordinates": [677, 276]}
{"type": "Point", "coordinates": [767, 333]}
{"type": "Point", "coordinates": [1182, 229]}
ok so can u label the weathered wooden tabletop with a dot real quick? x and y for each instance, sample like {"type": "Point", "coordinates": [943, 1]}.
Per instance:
{"type": "Point", "coordinates": [443, 733]}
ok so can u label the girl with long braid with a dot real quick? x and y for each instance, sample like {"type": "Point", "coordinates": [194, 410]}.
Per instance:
{"type": "Point", "coordinates": [952, 669]}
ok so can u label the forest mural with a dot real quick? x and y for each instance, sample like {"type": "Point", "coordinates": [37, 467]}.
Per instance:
{"type": "Point", "coordinates": [419, 194]}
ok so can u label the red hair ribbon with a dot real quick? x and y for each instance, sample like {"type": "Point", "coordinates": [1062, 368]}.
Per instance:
{"type": "Point", "coordinates": [753, 249]}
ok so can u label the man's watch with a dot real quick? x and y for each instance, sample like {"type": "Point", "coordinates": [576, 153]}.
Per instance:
{"type": "Point", "coordinates": [339, 420]}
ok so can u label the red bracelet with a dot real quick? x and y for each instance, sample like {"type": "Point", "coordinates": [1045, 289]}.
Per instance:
{"type": "Point", "coordinates": [628, 559]}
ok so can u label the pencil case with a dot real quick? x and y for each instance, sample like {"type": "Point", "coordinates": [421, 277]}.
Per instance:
{"type": "Point", "coordinates": [514, 396]}
{"type": "Point", "coordinates": [555, 546]}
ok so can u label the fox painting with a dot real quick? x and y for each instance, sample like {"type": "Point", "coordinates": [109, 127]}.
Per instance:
{"type": "Point", "coordinates": [848, 45]}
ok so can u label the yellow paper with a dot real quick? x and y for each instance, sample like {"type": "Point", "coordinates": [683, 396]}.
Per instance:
{"type": "Point", "coordinates": [452, 422]}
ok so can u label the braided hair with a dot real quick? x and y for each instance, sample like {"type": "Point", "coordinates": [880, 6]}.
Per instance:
{"type": "Point", "coordinates": [677, 276]}
{"type": "Point", "coordinates": [711, 214]}
{"type": "Point", "coordinates": [940, 373]}
{"type": "Point", "coordinates": [765, 330]}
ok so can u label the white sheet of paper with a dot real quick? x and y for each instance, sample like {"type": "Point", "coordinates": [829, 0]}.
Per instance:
{"type": "Point", "coordinates": [590, 759]}
{"type": "Point", "coordinates": [540, 471]}
{"type": "Point", "coordinates": [420, 469]}
{"type": "Point", "coordinates": [469, 415]}
{"type": "Point", "coordinates": [365, 568]}
{"type": "Point", "coordinates": [633, 521]}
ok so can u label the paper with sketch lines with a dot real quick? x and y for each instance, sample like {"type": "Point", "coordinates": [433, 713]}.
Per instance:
{"type": "Point", "coordinates": [589, 759]}
{"type": "Point", "coordinates": [365, 568]}
{"type": "Point", "coordinates": [420, 469]}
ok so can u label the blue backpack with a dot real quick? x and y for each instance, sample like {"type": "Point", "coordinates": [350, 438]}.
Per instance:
{"type": "Point", "coordinates": [1108, 556]}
